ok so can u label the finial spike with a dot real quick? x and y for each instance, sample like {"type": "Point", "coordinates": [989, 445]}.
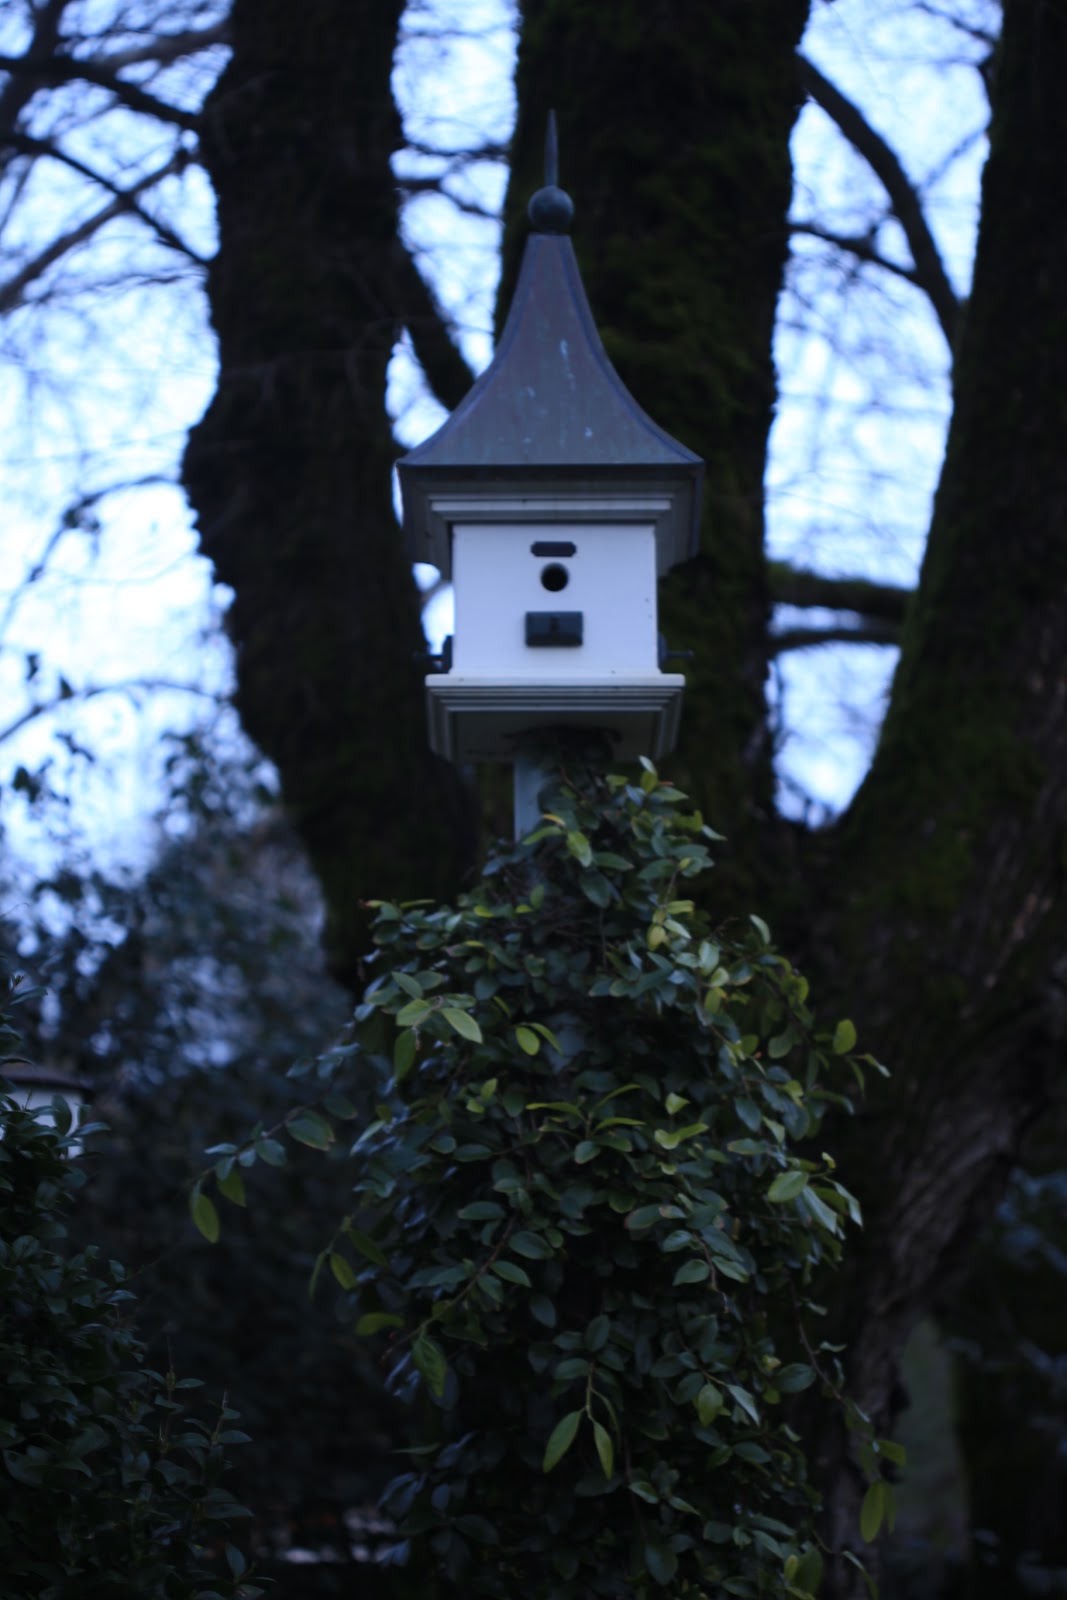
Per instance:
{"type": "Point", "coordinates": [551, 153]}
{"type": "Point", "coordinates": [551, 210]}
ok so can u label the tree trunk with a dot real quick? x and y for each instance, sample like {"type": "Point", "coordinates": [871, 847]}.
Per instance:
{"type": "Point", "coordinates": [290, 469]}
{"type": "Point", "coordinates": [945, 919]}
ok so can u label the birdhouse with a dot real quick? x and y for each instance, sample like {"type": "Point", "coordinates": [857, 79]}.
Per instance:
{"type": "Point", "coordinates": [554, 504]}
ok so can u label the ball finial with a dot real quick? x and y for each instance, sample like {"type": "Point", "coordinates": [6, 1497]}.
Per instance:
{"type": "Point", "coordinates": [551, 209]}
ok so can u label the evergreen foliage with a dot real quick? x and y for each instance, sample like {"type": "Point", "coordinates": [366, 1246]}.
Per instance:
{"type": "Point", "coordinates": [588, 1218]}
{"type": "Point", "coordinates": [109, 1486]}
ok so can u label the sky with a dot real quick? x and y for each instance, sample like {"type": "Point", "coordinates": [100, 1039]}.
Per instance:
{"type": "Point", "coordinates": [99, 392]}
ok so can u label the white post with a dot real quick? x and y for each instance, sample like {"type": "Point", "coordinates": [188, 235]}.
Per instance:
{"type": "Point", "coordinates": [530, 777]}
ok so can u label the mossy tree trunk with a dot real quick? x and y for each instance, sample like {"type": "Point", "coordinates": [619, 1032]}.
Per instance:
{"type": "Point", "coordinates": [290, 470]}
{"type": "Point", "coordinates": [942, 889]}
{"type": "Point", "coordinates": [934, 912]}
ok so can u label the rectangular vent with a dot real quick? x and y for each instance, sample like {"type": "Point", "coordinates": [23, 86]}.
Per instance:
{"type": "Point", "coordinates": [553, 630]}
{"type": "Point", "coordinates": [553, 547]}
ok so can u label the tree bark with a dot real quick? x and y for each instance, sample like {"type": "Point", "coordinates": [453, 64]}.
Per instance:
{"type": "Point", "coordinates": [290, 469]}
{"type": "Point", "coordinates": [945, 917]}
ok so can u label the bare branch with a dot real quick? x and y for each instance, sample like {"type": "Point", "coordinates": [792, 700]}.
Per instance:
{"type": "Point", "coordinates": [19, 90]}
{"type": "Point", "coordinates": [54, 70]}
{"type": "Point", "coordinates": [166, 48]}
{"type": "Point", "coordinates": [410, 187]}
{"type": "Point", "coordinates": [805, 638]}
{"type": "Point", "coordinates": [67, 695]}
{"type": "Point", "coordinates": [71, 520]}
{"type": "Point", "coordinates": [446, 371]}
{"type": "Point", "coordinates": [26, 144]}
{"type": "Point", "coordinates": [13, 292]}
{"type": "Point", "coordinates": [795, 586]}
{"type": "Point", "coordinates": [861, 246]}
{"type": "Point", "coordinates": [930, 274]}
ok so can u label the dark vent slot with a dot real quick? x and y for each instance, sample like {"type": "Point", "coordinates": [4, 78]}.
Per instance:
{"type": "Point", "coordinates": [553, 630]}
{"type": "Point", "coordinates": [554, 547]}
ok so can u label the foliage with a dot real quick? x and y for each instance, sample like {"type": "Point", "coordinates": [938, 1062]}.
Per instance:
{"type": "Point", "coordinates": [585, 1220]}
{"type": "Point", "coordinates": [185, 996]}
{"type": "Point", "coordinates": [111, 1486]}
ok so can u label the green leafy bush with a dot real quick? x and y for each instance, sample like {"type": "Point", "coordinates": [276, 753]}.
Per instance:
{"type": "Point", "coordinates": [108, 1487]}
{"type": "Point", "coordinates": [588, 1216]}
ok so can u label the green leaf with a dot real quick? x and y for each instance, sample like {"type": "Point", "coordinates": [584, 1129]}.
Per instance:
{"type": "Point", "coordinates": [808, 1574]}
{"type": "Point", "coordinates": [528, 1040]}
{"type": "Point", "coordinates": [511, 1273]}
{"type": "Point", "coordinates": [560, 1439]}
{"type": "Point", "coordinates": [310, 1128]}
{"type": "Point", "coordinates": [794, 1378]}
{"type": "Point", "coordinates": [481, 1211]}
{"type": "Point", "coordinates": [585, 1152]}
{"type": "Point", "coordinates": [270, 1151]}
{"type": "Point", "coordinates": [342, 1270]}
{"type": "Point", "coordinates": [604, 1449]}
{"type": "Point", "coordinates": [366, 1246]}
{"type": "Point", "coordinates": [787, 1185]}
{"type": "Point", "coordinates": [597, 1333]}
{"type": "Point", "coordinates": [761, 928]}
{"type": "Point", "coordinates": [374, 1321]}
{"type": "Point", "coordinates": [430, 1361]}
{"type": "Point", "coordinates": [662, 1563]}
{"type": "Point", "coordinates": [62, 1116]}
{"type": "Point", "coordinates": [844, 1038]}
{"type": "Point", "coordinates": [531, 1245]}
{"type": "Point", "coordinates": [691, 1272]}
{"type": "Point", "coordinates": [232, 1186]}
{"type": "Point", "coordinates": [463, 1023]}
{"type": "Point", "coordinates": [709, 1402]}
{"type": "Point", "coordinates": [339, 1105]}
{"type": "Point", "coordinates": [404, 1053]}
{"type": "Point", "coordinates": [872, 1512]}
{"type": "Point", "coordinates": [204, 1215]}
{"type": "Point", "coordinates": [745, 1401]}
{"type": "Point", "coordinates": [413, 1013]}
{"type": "Point", "coordinates": [580, 848]}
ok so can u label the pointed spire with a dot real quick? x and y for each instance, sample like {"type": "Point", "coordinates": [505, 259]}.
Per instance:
{"type": "Point", "coordinates": [550, 421]}
{"type": "Point", "coordinates": [551, 209]}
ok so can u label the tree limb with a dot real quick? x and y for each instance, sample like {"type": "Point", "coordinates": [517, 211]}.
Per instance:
{"type": "Point", "coordinates": [43, 708]}
{"type": "Point", "coordinates": [19, 90]}
{"type": "Point", "coordinates": [13, 292]}
{"type": "Point", "coordinates": [805, 638]}
{"type": "Point", "coordinates": [860, 245]}
{"type": "Point", "coordinates": [795, 586]}
{"type": "Point", "coordinates": [26, 144]}
{"type": "Point", "coordinates": [166, 48]}
{"type": "Point", "coordinates": [58, 69]}
{"type": "Point", "coordinates": [446, 371]}
{"type": "Point", "coordinates": [930, 272]}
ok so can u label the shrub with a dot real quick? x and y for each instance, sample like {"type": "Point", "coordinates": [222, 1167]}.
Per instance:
{"type": "Point", "coordinates": [109, 1487]}
{"type": "Point", "coordinates": [588, 1218]}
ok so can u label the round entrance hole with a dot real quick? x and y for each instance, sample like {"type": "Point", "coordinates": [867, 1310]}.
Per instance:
{"type": "Point", "coordinates": [554, 577]}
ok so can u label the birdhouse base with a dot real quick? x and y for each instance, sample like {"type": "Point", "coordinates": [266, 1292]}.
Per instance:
{"type": "Point", "coordinates": [484, 719]}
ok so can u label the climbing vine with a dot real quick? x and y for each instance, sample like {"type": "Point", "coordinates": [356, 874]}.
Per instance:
{"type": "Point", "coordinates": [589, 1213]}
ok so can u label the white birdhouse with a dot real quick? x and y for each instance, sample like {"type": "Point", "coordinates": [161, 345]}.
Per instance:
{"type": "Point", "coordinates": [554, 504]}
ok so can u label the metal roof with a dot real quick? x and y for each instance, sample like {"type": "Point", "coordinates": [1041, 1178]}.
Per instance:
{"type": "Point", "coordinates": [549, 425]}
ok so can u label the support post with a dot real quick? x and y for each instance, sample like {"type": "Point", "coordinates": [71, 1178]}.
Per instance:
{"type": "Point", "coordinates": [530, 776]}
